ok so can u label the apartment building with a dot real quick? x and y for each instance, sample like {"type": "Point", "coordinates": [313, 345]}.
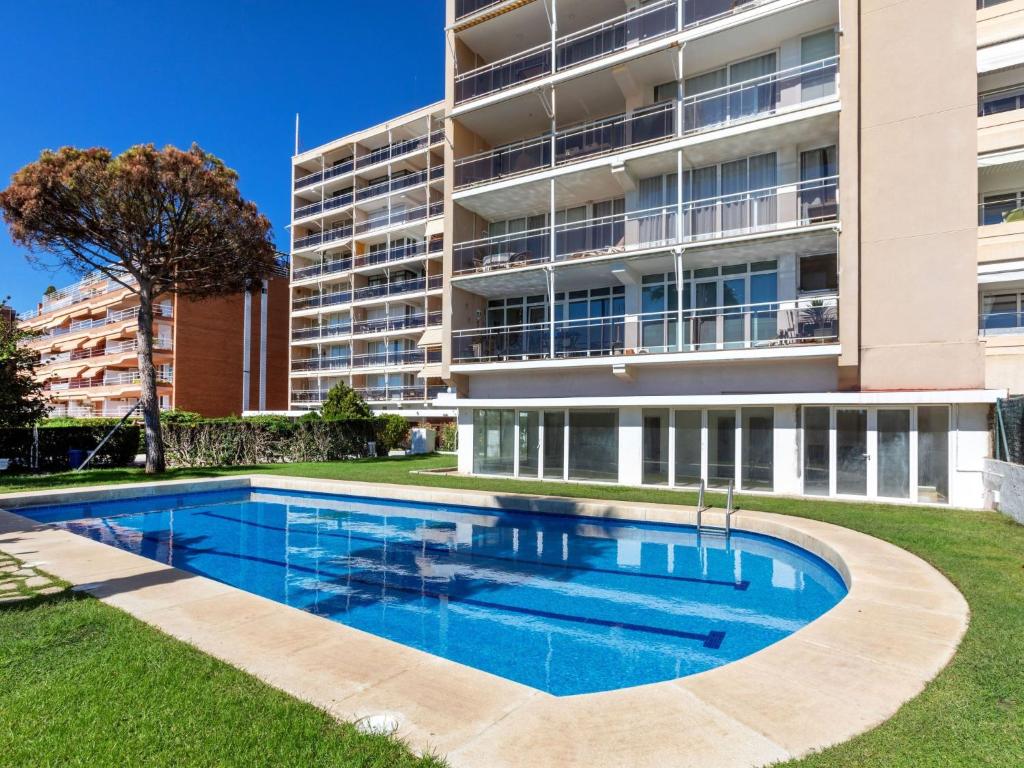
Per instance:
{"type": "Point", "coordinates": [1001, 190]}
{"type": "Point", "coordinates": [217, 357]}
{"type": "Point", "coordinates": [366, 282]}
{"type": "Point", "coordinates": [729, 241]}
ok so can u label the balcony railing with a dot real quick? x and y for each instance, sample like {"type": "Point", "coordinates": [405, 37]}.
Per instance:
{"type": "Point", "coordinates": [468, 7]}
{"type": "Point", "coordinates": [371, 360]}
{"type": "Point", "coordinates": [760, 96]}
{"type": "Point", "coordinates": [390, 152]}
{"type": "Point", "coordinates": [1005, 209]}
{"type": "Point", "coordinates": [112, 348]}
{"type": "Point", "coordinates": [395, 288]}
{"type": "Point", "coordinates": [392, 217]}
{"type": "Point", "coordinates": [322, 238]}
{"type": "Point", "coordinates": [996, 323]}
{"type": "Point", "coordinates": [737, 327]}
{"type": "Point", "coordinates": [1002, 100]}
{"type": "Point", "coordinates": [111, 318]}
{"type": "Point", "coordinates": [330, 204]}
{"type": "Point", "coordinates": [787, 206]}
{"type": "Point", "coordinates": [647, 22]}
{"type": "Point", "coordinates": [373, 394]}
{"type": "Point", "coordinates": [376, 325]}
{"type": "Point", "coordinates": [395, 253]}
{"type": "Point", "coordinates": [327, 268]}
{"type": "Point", "coordinates": [990, 3]}
{"type": "Point", "coordinates": [591, 139]}
{"type": "Point", "coordinates": [643, 24]}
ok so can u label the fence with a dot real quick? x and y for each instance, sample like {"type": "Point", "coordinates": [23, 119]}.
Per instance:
{"type": "Point", "coordinates": [1009, 430]}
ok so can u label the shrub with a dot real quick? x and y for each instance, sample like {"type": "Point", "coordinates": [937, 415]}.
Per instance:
{"type": "Point", "coordinates": [392, 431]}
{"type": "Point", "coordinates": [180, 417]}
{"type": "Point", "coordinates": [343, 402]}
{"type": "Point", "coordinates": [448, 437]}
{"type": "Point", "coordinates": [265, 440]}
{"type": "Point", "coordinates": [54, 443]}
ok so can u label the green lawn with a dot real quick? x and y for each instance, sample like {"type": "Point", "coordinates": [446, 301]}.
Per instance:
{"type": "Point", "coordinates": [84, 684]}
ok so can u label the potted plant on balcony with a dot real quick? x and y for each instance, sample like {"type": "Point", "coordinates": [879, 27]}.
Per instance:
{"type": "Point", "coordinates": [1017, 214]}
{"type": "Point", "coordinates": [817, 320]}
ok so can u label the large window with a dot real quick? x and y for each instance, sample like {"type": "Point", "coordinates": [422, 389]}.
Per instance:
{"type": "Point", "coordinates": [933, 453]}
{"type": "Point", "coordinates": [494, 435]}
{"type": "Point", "coordinates": [554, 445]}
{"type": "Point", "coordinates": [894, 453]}
{"type": "Point", "coordinates": [758, 433]}
{"type": "Point", "coordinates": [594, 445]}
{"type": "Point", "coordinates": [655, 438]}
{"type": "Point", "coordinates": [1000, 207]}
{"type": "Point", "coordinates": [721, 448]}
{"type": "Point", "coordinates": [529, 443]}
{"type": "Point", "coordinates": [1003, 311]}
{"type": "Point", "coordinates": [816, 451]}
{"type": "Point", "coordinates": [688, 447]}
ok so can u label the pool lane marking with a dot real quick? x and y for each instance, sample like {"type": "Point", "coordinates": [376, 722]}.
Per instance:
{"type": "Point", "coordinates": [739, 586]}
{"type": "Point", "coordinates": [711, 640]}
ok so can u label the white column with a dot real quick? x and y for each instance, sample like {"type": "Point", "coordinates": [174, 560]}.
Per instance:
{"type": "Point", "coordinates": [263, 346]}
{"type": "Point", "coordinates": [246, 347]}
{"type": "Point", "coordinates": [465, 427]}
{"type": "Point", "coordinates": [551, 311]}
{"type": "Point", "coordinates": [631, 445]}
{"type": "Point", "coordinates": [786, 452]}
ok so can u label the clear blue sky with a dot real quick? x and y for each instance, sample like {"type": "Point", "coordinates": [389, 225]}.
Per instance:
{"type": "Point", "coordinates": [228, 74]}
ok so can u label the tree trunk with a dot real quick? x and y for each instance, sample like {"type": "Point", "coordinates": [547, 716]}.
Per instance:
{"type": "Point", "coordinates": [147, 375]}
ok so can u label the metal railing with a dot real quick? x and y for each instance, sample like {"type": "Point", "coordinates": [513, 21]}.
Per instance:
{"type": "Point", "coordinates": [997, 323]}
{"type": "Point", "coordinates": [760, 96]}
{"type": "Point", "coordinates": [1008, 210]}
{"type": "Point", "coordinates": [804, 203]}
{"type": "Point", "coordinates": [329, 204]}
{"type": "Point", "coordinates": [111, 318]}
{"type": "Point", "coordinates": [736, 327]}
{"type": "Point", "coordinates": [393, 288]}
{"type": "Point", "coordinates": [989, 3]}
{"type": "Point", "coordinates": [391, 217]}
{"type": "Point", "coordinates": [372, 258]}
{"type": "Point", "coordinates": [322, 238]}
{"type": "Point", "coordinates": [646, 23]}
{"type": "Point", "coordinates": [571, 144]}
{"type": "Point", "coordinates": [115, 348]}
{"type": "Point", "coordinates": [330, 267]}
{"type": "Point", "coordinates": [1001, 100]}
{"type": "Point", "coordinates": [467, 7]}
{"type": "Point", "coordinates": [371, 360]}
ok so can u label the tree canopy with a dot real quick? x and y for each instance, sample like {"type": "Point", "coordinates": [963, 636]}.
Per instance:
{"type": "Point", "coordinates": [343, 402]}
{"type": "Point", "coordinates": [21, 396]}
{"type": "Point", "coordinates": [158, 222]}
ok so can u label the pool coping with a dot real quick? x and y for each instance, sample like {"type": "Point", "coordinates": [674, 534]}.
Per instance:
{"type": "Point", "coordinates": [842, 674]}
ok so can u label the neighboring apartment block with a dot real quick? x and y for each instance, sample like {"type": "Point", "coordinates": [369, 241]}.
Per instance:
{"type": "Point", "coordinates": [1001, 190]}
{"type": "Point", "coordinates": [367, 250]}
{"type": "Point", "coordinates": [732, 241]}
{"type": "Point", "coordinates": [217, 357]}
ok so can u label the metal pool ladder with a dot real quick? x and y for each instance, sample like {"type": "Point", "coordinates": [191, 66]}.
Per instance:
{"type": "Point", "coordinates": [701, 507]}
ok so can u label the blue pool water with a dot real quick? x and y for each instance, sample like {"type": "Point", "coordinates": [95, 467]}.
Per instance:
{"type": "Point", "coordinates": [565, 605]}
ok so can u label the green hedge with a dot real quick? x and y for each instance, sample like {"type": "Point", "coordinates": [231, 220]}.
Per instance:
{"type": "Point", "coordinates": [55, 442]}
{"type": "Point", "coordinates": [270, 440]}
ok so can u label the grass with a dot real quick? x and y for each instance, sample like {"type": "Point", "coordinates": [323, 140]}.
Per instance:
{"type": "Point", "coordinates": [971, 715]}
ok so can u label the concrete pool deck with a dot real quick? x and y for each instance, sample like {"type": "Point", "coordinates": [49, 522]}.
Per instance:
{"type": "Point", "coordinates": [844, 673]}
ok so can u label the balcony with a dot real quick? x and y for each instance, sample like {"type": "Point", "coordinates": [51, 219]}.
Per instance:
{"type": "Point", "coordinates": [769, 325]}
{"type": "Point", "coordinates": [121, 316]}
{"type": "Point", "coordinates": [592, 139]}
{"type": "Point", "coordinates": [349, 362]}
{"type": "Point", "coordinates": [1007, 208]}
{"type": "Point", "coordinates": [319, 270]}
{"type": "Point", "coordinates": [642, 25]}
{"type": "Point", "coordinates": [396, 288]}
{"type": "Point", "coordinates": [111, 348]}
{"type": "Point", "coordinates": [465, 8]}
{"type": "Point", "coordinates": [990, 3]}
{"type": "Point", "coordinates": [742, 102]}
{"type": "Point", "coordinates": [376, 325]}
{"type": "Point", "coordinates": [1001, 323]}
{"type": "Point", "coordinates": [389, 152]}
{"type": "Point", "coordinates": [323, 238]}
{"type": "Point", "coordinates": [807, 203]}
{"type": "Point", "coordinates": [330, 204]}
{"type": "Point", "coordinates": [393, 217]}
{"type": "Point", "coordinates": [373, 394]}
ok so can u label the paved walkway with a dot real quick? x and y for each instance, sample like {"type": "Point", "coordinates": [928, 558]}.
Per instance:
{"type": "Point", "coordinates": [842, 674]}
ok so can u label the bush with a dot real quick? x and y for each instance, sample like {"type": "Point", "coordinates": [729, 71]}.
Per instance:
{"type": "Point", "coordinates": [265, 440]}
{"type": "Point", "coordinates": [392, 432]}
{"type": "Point", "coordinates": [448, 437]}
{"type": "Point", "coordinates": [343, 402]}
{"type": "Point", "coordinates": [55, 441]}
{"type": "Point", "coordinates": [179, 417]}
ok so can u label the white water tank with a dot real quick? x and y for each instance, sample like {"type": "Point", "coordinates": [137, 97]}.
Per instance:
{"type": "Point", "coordinates": [422, 440]}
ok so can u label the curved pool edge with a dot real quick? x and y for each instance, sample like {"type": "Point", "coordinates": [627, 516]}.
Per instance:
{"type": "Point", "coordinates": [842, 674]}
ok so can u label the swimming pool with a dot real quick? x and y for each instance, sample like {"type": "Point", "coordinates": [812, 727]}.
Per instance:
{"type": "Point", "coordinates": [562, 604]}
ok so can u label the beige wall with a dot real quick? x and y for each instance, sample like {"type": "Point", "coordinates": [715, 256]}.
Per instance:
{"type": "Point", "coordinates": [1004, 363]}
{"type": "Point", "coordinates": [1001, 242]}
{"type": "Point", "coordinates": [918, 193]}
{"type": "Point", "coordinates": [849, 194]}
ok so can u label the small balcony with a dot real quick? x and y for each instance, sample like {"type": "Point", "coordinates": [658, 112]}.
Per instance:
{"type": "Point", "coordinates": [788, 206]}
{"type": "Point", "coordinates": [389, 152]}
{"type": "Point", "coordinates": [768, 325]}
{"type": "Point", "coordinates": [465, 8]}
{"type": "Point", "coordinates": [741, 102]}
{"type": "Point", "coordinates": [1003, 208]}
{"type": "Point", "coordinates": [642, 25]}
{"type": "Point", "coordinates": [323, 238]}
{"type": "Point", "coordinates": [395, 288]}
{"type": "Point", "coordinates": [1001, 323]}
{"type": "Point", "coordinates": [330, 204]}
{"type": "Point", "coordinates": [349, 362]}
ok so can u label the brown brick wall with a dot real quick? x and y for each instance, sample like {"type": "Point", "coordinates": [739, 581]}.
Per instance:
{"type": "Point", "coordinates": [208, 341]}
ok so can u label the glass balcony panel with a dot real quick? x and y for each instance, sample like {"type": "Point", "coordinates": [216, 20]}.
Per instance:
{"type": "Point", "coordinates": [760, 96]}
{"type": "Point", "coordinates": [646, 23]}
{"type": "Point", "coordinates": [521, 68]}
{"type": "Point", "coordinates": [702, 11]}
